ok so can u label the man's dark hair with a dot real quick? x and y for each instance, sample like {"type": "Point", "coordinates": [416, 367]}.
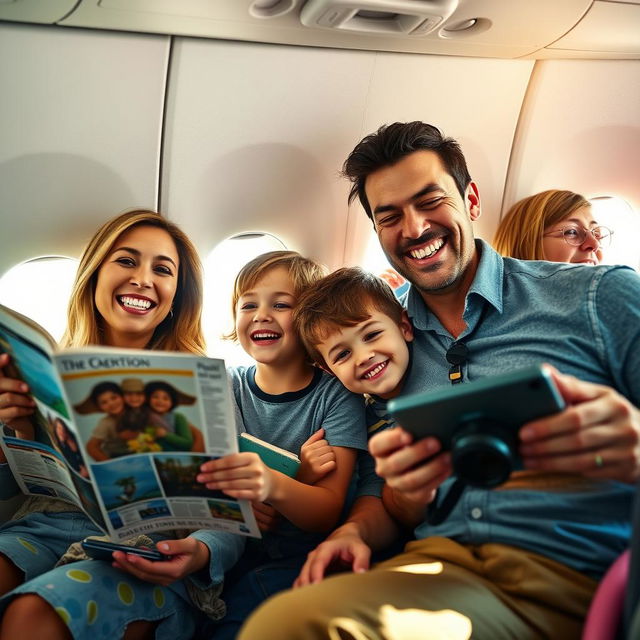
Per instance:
{"type": "Point", "coordinates": [392, 142]}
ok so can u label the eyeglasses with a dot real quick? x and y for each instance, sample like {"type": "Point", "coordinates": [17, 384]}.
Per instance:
{"type": "Point", "coordinates": [577, 235]}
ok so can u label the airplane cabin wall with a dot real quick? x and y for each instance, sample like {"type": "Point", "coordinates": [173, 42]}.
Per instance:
{"type": "Point", "coordinates": [228, 137]}
{"type": "Point", "coordinates": [579, 130]}
{"type": "Point", "coordinates": [80, 129]}
{"type": "Point", "coordinates": [256, 134]}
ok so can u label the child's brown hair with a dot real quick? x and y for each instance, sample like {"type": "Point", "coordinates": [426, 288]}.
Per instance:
{"type": "Point", "coordinates": [344, 298]}
{"type": "Point", "coordinates": [302, 271]}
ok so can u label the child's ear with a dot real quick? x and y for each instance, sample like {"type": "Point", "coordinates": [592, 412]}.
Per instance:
{"type": "Point", "coordinates": [325, 369]}
{"type": "Point", "coordinates": [406, 327]}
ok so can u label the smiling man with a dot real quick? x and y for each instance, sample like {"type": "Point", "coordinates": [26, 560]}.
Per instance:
{"type": "Point", "coordinates": [520, 561]}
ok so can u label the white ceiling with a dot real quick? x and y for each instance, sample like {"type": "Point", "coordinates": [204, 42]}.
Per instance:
{"type": "Point", "coordinates": [504, 28]}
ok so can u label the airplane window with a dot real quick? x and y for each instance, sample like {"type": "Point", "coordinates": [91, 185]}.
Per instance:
{"type": "Point", "coordinates": [40, 289]}
{"type": "Point", "coordinates": [220, 269]}
{"type": "Point", "coordinates": [376, 262]}
{"type": "Point", "coordinates": [617, 214]}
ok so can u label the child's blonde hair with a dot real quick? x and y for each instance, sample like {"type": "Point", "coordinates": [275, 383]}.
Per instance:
{"type": "Point", "coordinates": [302, 271]}
{"type": "Point", "coordinates": [344, 298]}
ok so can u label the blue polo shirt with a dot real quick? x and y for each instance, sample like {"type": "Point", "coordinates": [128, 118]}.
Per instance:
{"type": "Point", "coordinates": [583, 320]}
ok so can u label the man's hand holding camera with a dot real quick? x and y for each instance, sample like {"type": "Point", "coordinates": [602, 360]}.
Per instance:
{"type": "Point", "coordinates": [401, 462]}
{"type": "Point", "coordinates": [598, 435]}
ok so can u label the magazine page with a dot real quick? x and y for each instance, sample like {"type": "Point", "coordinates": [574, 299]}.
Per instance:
{"type": "Point", "coordinates": [146, 422]}
{"type": "Point", "coordinates": [49, 461]}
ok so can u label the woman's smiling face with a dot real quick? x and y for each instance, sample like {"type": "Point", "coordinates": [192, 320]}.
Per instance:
{"type": "Point", "coordinates": [136, 285]}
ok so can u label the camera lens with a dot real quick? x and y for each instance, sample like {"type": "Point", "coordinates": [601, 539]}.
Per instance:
{"type": "Point", "coordinates": [482, 454]}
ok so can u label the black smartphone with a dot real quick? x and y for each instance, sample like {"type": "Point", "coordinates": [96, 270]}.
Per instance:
{"type": "Point", "coordinates": [479, 420]}
{"type": "Point", "coordinates": [103, 550]}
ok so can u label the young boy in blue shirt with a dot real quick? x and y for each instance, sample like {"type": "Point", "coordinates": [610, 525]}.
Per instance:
{"type": "Point", "coordinates": [354, 327]}
{"type": "Point", "coordinates": [287, 402]}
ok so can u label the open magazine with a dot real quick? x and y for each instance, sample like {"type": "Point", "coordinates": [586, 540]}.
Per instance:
{"type": "Point", "coordinates": [121, 433]}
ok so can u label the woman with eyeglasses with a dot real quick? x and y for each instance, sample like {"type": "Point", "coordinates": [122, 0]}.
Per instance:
{"type": "Point", "coordinates": [552, 225]}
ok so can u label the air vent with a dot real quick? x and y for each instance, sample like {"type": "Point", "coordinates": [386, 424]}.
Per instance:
{"type": "Point", "coordinates": [391, 17]}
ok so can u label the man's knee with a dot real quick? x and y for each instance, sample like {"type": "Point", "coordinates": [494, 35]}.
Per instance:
{"type": "Point", "coordinates": [285, 615]}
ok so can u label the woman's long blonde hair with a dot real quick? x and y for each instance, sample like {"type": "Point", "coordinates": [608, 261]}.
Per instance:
{"type": "Point", "coordinates": [520, 232]}
{"type": "Point", "coordinates": [181, 330]}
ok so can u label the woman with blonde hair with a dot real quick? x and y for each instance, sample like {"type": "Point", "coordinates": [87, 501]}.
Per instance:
{"type": "Point", "coordinates": [552, 225]}
{"type": "Point", "coordinates": [180, 330]}
{"type": "Point", "coordinates": [139, 284]}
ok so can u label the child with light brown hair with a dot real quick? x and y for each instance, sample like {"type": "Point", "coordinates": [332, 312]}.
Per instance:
{"type": "Point", "coordinates": [355, 328]}
{"type": "Point", "coordinates": [287, 402]}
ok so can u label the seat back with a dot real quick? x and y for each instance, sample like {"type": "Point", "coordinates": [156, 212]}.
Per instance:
{"type": "Point", "coordinates": [632, 597]}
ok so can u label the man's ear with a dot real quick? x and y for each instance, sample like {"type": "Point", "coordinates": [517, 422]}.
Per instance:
{"type": "Point", "coordinates": [472, 200]}
{"type": "Point", "coordinates": [406, 327]}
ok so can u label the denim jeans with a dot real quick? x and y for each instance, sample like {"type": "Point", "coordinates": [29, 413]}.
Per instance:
{"type": "Point", "coordinates": [254, 579]}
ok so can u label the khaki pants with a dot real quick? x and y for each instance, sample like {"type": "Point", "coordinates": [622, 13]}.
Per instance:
{"type": "Point", "coordinates": [436, 589]}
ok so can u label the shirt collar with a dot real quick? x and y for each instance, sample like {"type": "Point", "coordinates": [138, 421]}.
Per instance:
{"type": "Point", "coordinates": [487, 283]}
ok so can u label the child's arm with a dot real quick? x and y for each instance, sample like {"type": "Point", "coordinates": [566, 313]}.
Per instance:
{"type": "Point", "coordinates": [266, 516]}
{"type": "Point", "coordinates": [310, 507]}
{"type": "Point", "coordinates": [368, 528]}
{"type": "Point", "coordinates": [405, 511]}
{"type": "Point", "coordinates": [317, 459]}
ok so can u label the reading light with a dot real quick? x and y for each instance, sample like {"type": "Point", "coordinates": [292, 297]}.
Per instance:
{"type": "Point", "coordinates": [381, 17]}
{"type": "Point", "coordinates": [467, 28]}
{"type": "Point", "coordinates": [270, 8]}
{"type": "Point", "coordinates": [463, 25]}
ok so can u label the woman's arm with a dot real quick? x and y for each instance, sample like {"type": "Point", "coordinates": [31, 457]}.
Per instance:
{"type": "Point", "coordinates": [203, 557]}
{"type": "Point", "coordinates": [16, 405]}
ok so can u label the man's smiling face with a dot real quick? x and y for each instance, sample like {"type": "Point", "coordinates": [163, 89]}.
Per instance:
{"type": "Point", "coordinates": [422, 222]}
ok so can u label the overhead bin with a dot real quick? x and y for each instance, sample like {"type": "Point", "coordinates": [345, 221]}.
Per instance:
{"type": "Point", "coordinates": [47, 12]}
{"type": "Point", "coordinates": [479, 28]}
{"type": "Point", "coordinates": [622, 35]}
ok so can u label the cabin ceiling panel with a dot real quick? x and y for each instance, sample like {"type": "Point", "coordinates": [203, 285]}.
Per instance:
{"type": "Point", "coordinates": [559, 130]}
{"type": "Point", "coordinates": [36, 10]}
{"type": "Point", "coordinates": [444, 91]}
{"type": "Point", "coordinates": [622, 34]}
{"type": "Point", "coordinates": [503, 29]}
{"type": "Point", "coordinates": [255, 137]}
{"type": "Point", "coordinates": [80, 124]}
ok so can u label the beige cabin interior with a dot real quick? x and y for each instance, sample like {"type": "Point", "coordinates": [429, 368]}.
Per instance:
{"type": "Point", "coordinates": [232, 116]}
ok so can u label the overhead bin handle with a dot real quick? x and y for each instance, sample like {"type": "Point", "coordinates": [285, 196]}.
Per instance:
{"type": "Point", "coordinates": [392, 17]}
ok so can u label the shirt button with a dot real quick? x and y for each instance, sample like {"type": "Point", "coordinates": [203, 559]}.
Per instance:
{"type": "Point", "coordinates": [476, 513]}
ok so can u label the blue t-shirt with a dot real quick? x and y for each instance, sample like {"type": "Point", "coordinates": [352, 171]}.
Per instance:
{"type": "Point", "coordinates": [287, 420]}
{"type": "Point", "coordinates": [368, 482]}
{"type": "Point", "coordinates": [583, 320]}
